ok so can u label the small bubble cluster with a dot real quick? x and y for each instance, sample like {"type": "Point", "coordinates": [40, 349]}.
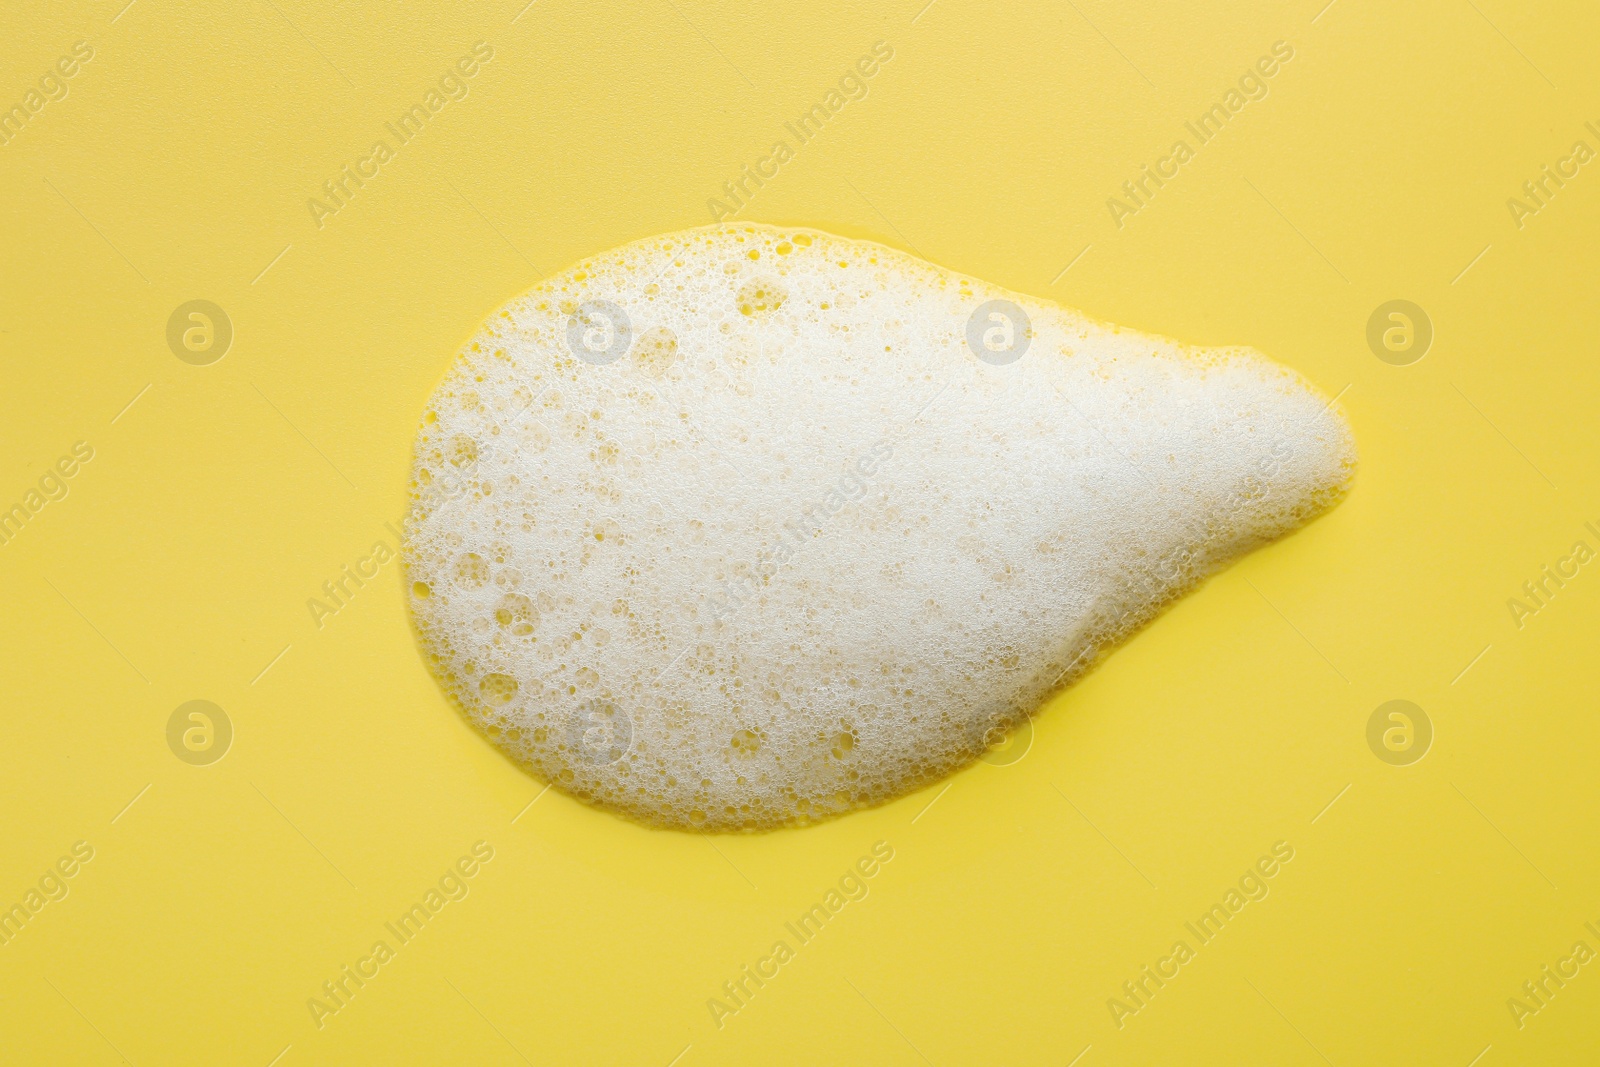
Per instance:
{"type": "Point", "coordinates": [793, 546]}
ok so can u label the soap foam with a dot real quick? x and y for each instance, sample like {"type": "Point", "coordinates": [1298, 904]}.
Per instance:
{"type": "Point", "coordinates": [732, 528]}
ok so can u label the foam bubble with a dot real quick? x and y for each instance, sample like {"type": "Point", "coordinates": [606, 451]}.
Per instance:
{"type": "Point", "coordinates": [745, 526]}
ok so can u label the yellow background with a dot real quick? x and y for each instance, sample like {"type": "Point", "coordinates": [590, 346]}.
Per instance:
{"type": "Point", "coordinates": [178, 567]}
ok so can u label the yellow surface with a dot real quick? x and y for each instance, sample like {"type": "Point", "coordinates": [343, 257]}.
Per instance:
{"type": "Point", "coordinates": [178, 566]}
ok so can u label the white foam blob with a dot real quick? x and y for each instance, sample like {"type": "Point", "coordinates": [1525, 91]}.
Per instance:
{"type": "Point", "coordinates": [780, 544]}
